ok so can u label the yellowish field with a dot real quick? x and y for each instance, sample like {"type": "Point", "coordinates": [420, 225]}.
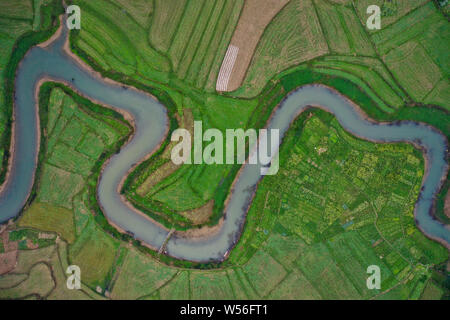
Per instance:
{"type": "Point", "coordinates": [295, 287]}
{"type": "Point", "coordinates": [39, 282]}
{"type": "Point", "coordinates": [440, 95]}
{"type": "Point", "coordinates": [47, 217]}
{"type": "Point", "coordinates": [94, 252]}
{"type": "Point", "coordinates": [140, 276]}
{"type": "Point", "coordinates": [210, 286]}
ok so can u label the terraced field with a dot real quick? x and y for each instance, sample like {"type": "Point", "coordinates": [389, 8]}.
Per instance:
{"type": "Point", "coordinates": [337, 205]}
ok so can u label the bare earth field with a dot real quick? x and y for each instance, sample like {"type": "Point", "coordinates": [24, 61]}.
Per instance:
{"type": "Point", "coordinates": [255, 16]}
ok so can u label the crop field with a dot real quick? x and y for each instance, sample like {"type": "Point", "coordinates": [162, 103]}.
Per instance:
{"type": "Point", "coordinates": [254, 19]}
{"type": "Point", "coordinates": [341, 227]}
{"type": "Point", "coordinates": [342, 29]}
{"type": "Point", "coordinates": [414, 49]}
{"type": "Point", "coordinates": [47, 217]}
{"type": "Point", "coordinates": [194, 52]}
{"type": "Point", "coordinates": [179, 37]}
{"type": "Point", "coordinates": [59, 206]}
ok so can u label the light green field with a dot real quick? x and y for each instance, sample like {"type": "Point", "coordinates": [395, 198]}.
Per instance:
{"type": "Point", "coordinates": [46, 217]}
{"type": "Point", "coordinates": [414, 69]}
{"type": "Point", "coordinates": [85, 252]}
{"type": "Point", "coordinates": [140, 276]}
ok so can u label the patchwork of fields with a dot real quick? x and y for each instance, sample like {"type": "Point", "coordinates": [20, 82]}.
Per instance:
{"type": "Point", "coordinates": [337, 205]}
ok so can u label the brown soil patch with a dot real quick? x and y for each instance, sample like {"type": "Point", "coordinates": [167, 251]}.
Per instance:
{"type": "Point", "coordinates": [200, 215]}
{"type": "Point", "coordinates": [8, 259]}
{"type": "Point", "coordinates": [255, 16]}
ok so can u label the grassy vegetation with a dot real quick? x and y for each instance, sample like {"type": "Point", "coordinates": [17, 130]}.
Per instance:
{"type": "Point", "coordinates": [140, 276]}
{"type": "Point", "coordinates": [414, 49]}
{"type": "Point", "coordinates": [181, 189]}
{"type": "Point", "coordinates": [292, 37]}
{"type": "Point", "coordinates": [47, 217]}
{"type": "Point", "coordinates": [60, 201]}
{"type": "Point", "coordinates": [391, 11]}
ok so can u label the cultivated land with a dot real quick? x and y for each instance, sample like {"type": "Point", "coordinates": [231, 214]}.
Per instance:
{"type": "Point", "coordinates": [337, 205]}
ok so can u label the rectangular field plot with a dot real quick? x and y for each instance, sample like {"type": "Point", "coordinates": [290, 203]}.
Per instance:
{"type": "Point", "coordinates": [59, 186]}
{"type": "Point", "coordinates": [414, 69]}
{"type": "Point", "coordinates": [210, 286]}
{"type": "Point", "coordinates": [91, 145]}
{"type": "Point", "coordinates": [284, 249]}
{"type": "Point", "coordinates": [47, 217]}
{"type": "Point", "coordinates": [295, 287]}
{"type": "Point", "coordinates": [391, 10]}
{"type": "Point", "coordinates": [353, 255]}
{"type": "Point", "coordinates": [140, 276]}
{"type": "Point", "coordinates": [263, 273]}
{"type": "Point", "coordinates": [320, 269]}
{"type": "Point", "coordinates": [167, 14]}
{"type": "Point", "coordinates": [177, 288]}
{"type": "Point", "coordinates": [85, 252]}
{"type": "Point", "coordinates": [67, 158]}
{"type": "Point", "coordinates": [240, 285]}
{"type": "Point", "coordinates": [293, 36]}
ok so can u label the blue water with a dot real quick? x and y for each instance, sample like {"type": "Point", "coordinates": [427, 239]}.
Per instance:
{"type": "Point", "coordinates": [151, 123]}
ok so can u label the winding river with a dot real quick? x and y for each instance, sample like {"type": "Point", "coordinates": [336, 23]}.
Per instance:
{"type": "Point", "coordinates": [151, 123]}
